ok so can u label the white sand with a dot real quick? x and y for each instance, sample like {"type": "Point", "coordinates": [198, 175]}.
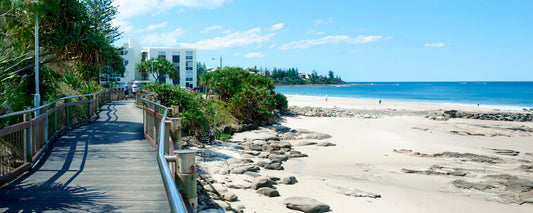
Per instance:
{"type": "Point", "coordinates": [364, 159]}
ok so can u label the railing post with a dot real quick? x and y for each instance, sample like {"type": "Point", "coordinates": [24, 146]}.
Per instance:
{"type": "Point", "coordinates": [27, 139]}
{"type": "Point", "coordinates": [175, 128]}
{"type": "Point", "coordinates": [166, 138]}
{"type": "Point", "coordinates": [89, 110]}
{"type": "Point", "coordinates": [67, 112]}
{"type": "Point", "coordinates": [154, 130]}
{"type": "Point", "coordinates": [186, 175]}
{"type": "Point", "coordinates": [45, 127]}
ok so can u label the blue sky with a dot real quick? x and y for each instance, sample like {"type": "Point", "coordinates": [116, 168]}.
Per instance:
{"type": "Point", "coordinates": [431, 40]}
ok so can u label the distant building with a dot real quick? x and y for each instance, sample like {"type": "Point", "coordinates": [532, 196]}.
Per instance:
{"type": "Point", "coordinates": [184, 60]}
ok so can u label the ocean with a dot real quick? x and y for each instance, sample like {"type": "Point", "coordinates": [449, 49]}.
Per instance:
{"type": "Point", "coordinates": [496, 95]}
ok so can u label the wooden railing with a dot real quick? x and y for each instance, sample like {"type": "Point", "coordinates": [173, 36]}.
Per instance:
{"type": "Point", "coordinates": [24, 135]}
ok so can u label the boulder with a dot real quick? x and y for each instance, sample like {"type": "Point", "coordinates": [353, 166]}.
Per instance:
{"type": "Point", "coordinates": [263, 155]}
{"type": "Point", "coordinates": [215, 188]}
{"type": "Point", "coordinates": [289, 180]}
{"type": "Point", "coordinates": [269, 192]}
{"type": "Point", "coordinates": [326, 144]}
{"type": "Point", "coordinates": [274, 166]}
{"type": "Point", "coordinates": [261, 182]}
{"type": "Point", "coordinates": [262, 163]}
{"type": "Point", "coordinates": [244, 168]}
{"type": "Point", "coordinates": [239, 185]}
{"type": "Point", "coordinates": [278, 158]}
{"type": "Point", "coordinates": [306, 204]}
{"type": "Point", "coordinates": [304, 143]}
{"type": "Point", "coordinates": [297, 154]}
{"type": "Point", "coordinates": [229, 196]}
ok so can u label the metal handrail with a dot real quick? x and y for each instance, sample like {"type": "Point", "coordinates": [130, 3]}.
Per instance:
{"type": "Point", "coordinates": [173, 195]}
{"type": "Point", "coordinates": [44, 106]}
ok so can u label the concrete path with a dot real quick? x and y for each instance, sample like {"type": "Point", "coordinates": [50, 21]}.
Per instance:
{"type": "Point", "coordinates": [104, 166]}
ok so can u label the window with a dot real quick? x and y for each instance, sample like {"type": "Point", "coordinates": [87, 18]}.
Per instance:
{"type": "Point", "coordinates": [126, 62]}
{"type": "Point", "coordinates": [188, 63]}
{"type": "Point", "coordinates": [175, 57]}
{"type": "Point", "coordinates": [188, 76]}
{"type": "Point", "coordinates": [144, 54]}
{"type": "Point", "coordinates": [188, 55]}
{"type": "Point", "coordinates": [162, 54]}
{"type": "Point", "coordinates": [123, 52]}
{"type": "Point", "coordinates": [178, 68]}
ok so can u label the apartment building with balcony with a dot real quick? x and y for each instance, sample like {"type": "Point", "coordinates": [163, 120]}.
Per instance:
{"type": "Point", "coordinates": [184, 59]}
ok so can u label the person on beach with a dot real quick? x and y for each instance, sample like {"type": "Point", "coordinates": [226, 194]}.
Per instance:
{"type": "Point", "coordinates": [134, 91]}
{"type": "Point", "coordinates": [126, 91]}
{"type": "Point", "coordinates": [379, 101]}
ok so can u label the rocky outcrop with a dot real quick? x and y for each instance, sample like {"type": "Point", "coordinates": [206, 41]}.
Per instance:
{"type": "Point", "coordinates": [498, 116]}
{"type": "Point", "coordinates": [306, 204]}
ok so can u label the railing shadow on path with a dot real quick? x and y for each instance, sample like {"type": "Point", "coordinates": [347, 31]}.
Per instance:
{"type": "Point", "coordinates": [54, 180]}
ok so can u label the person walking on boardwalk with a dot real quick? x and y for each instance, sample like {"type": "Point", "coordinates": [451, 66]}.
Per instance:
{"type": "Point", "coordinates": [211, 135]}
{"type": "Point", "coordinates": [134, 91]}
{"type": "Point", "coordinates": [126, 91]}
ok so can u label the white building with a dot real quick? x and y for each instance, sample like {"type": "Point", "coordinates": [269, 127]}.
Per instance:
{"type": "Point", "coordinates": [183, 59]}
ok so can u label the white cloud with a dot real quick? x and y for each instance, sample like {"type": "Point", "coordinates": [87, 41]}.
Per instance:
{"type": "Point", "coordinates": [154, 26]}
{"type": "Point", "coordinates": [236, 54]}
{"type": "Point", "coordinates": [434, 45]}
{"type": "Point", "coordinates": [259, 46]}
{"type": "Point", "coordinates": [320, 33]}
{"type": "Point", "coordinates": [277, 26]}
{"type": "Point", "coordinates": [226, 31]}
{"type": "Point", "coordinates": [211, 28]}
{"type": "Point", "coordinates": [123, 25]}
{"type": "Point", "coordinates": [320, 21]}
{"type": "Point", "coordinates": [128, 8]}
{"type": "Point", "coordinates": [303, 44]}
{"type": "Point", "coordinates": [254, 55]}
{"type": "Point", "coordinates": [272, 46]}
{"type": "Point", "coordinates": [165, 38]}
{"type": "Point", "coordinates": [236, 39]}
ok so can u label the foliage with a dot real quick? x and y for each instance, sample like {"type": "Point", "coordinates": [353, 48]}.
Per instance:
{"type": "Point", "coordinates": [251, 97]}
{"type": "Point", "coordinates": [160, 66]}
{"type": "Point", "coordinates": [291, 76]}
{"type": "Point", "coordinates": [74, 36]}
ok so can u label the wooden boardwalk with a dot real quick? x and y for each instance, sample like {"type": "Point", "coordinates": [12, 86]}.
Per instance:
{"type": "Point", "coordinates": [104, 166]}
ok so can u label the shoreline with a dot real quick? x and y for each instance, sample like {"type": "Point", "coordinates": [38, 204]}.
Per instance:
{"type": "Point", "coordinates": [366, 103]}
{"type": "Point", "coordinates": [377, 163]}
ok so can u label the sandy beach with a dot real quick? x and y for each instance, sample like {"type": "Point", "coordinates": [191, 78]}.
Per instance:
{"type": "Point", "coordinates": [388, 162]}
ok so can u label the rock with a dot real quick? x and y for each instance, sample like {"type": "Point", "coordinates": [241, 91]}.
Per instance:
{"type": "Point", "coordinates": [224, 205]}
{"type": "Point", "coordinates": [260, 182]}
{"type": "Point", "coordinates": [263, 155]}
{"type": "Point", "coordinates": [252, 174]}
{"type": "Point", "coordinates": [297, 154]}
{"type": "Point", "coordinates": [250, 152]}
{"type": "Point", "coordinates": [229, 196]}
{"type": "Point", "coordinates": [212, 211]}
{"type": "Point", "coordinates": [274, 166]}
{"type": "Point", "coordinates": [239, 185]}
{"type": "Point", "coordinates": [262, 163]}
{"type": "Point", "coordinates": [244, 168]}
{"type": "Point", "coordinates": [326, 144]}
{"type": "Point", "coordinates": [215, 188]}
{"type": "Point", "coordinates": [304, 143]}
{"type": "Point", "coordinates": [273, 178]}
{"type": "Point", "coordinates": [289, 180]}
{"type": "Point", "coordinates": [278, 158]}
{"type": "Point", "coordinates": [306, 204]}
{"type": "Point", "coordinates": [238, 161]}
{"type": "Point", "coordinates": [269, 192]}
